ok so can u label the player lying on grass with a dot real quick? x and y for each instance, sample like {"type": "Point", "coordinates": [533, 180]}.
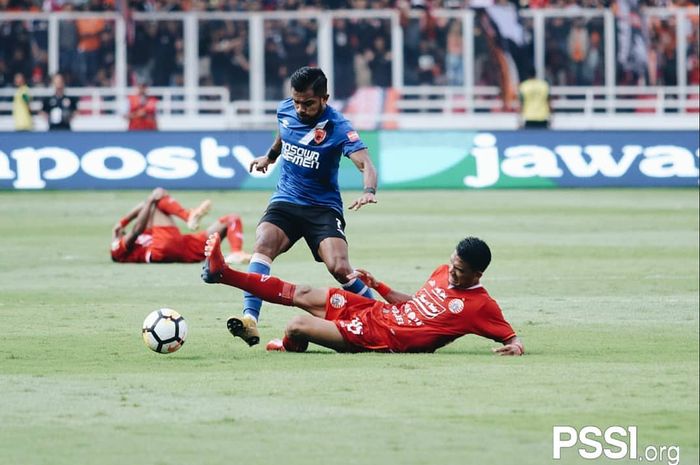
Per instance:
{"type": "Point", "coordinates": [450, 304]}
{"type": "Point", "coordinates": [156, 238]}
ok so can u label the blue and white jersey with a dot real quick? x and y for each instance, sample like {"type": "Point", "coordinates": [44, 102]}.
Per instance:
{"type": "Point", "coordinates": [311, 155]}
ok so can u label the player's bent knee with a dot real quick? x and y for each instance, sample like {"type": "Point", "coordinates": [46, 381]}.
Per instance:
{"type": "Point", "coordinates": [340, 269]}
{"type": "Point", "coordinates": [299, 326]}
{"type": "Point", "coordinates": [264, 248]}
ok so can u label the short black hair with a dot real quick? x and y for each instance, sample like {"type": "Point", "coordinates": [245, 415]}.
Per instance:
{"type": "Point", "coordinates": [310, 78]}
{"type": "Point", "coordinates": [475, 252]}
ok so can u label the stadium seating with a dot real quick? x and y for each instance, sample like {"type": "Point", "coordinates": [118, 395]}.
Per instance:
{"type": "Point", "coordinates": [231, 67]}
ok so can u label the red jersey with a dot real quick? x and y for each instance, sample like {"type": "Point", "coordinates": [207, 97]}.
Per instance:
{"type": "Point", "coordinates": [161, 244]}
{"type": "Point", "coordinates": [146, 122]}
{"type": "Point", "coordinates": [139, 252]}
{"type": "Point", "coordinates": [435, 316]}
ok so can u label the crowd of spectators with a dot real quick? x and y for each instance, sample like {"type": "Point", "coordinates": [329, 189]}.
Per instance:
{"type": "Point", "coordinates": [86, 45]}
{"type": "Point", "coordinates": [432, 45]}
{"type": "Point", "coordinates": [293, 5]}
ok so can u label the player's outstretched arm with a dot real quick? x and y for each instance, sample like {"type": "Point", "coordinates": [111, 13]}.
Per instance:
{"type": "Point", "coordinates": [261, 163]}
{"type": "Point", "coordinates": [512, 346]}
{"type": "Point", "coordinates": [118, 229]}
{"type": "Point", "coordinates": [144, 214]}
{"type": "Point", "coordinates": [364, 163]}
{"type": "Point", "coordinates": [390, 295]}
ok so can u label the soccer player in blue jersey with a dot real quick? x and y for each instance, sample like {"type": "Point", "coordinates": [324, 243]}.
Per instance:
{"type": "Point", "coordinates": [312, 137]}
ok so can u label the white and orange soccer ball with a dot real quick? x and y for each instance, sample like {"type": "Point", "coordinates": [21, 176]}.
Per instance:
{"type": "Point", "coordinates": [164, 331]}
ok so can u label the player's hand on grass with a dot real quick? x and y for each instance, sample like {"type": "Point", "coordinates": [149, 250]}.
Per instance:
{"type": "Point", "coordinates": [509, 349]}
{"type": "Point", "coordinates": [365, 276]}
{"type": "Point", "coordinates": [260, 164]}
{"type": "Point", "coordinates": [366, 198]}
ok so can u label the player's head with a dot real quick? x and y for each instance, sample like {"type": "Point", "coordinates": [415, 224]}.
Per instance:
{"type": "Point", "coordinates": [58, 82]}
{"type": "Point", "coordinates": [19, 80]}
{"type": "Point", "coordinates": [309, 92]}
{"type": "Point", "coordinates": [468, 262]}
{"type": "Point", "coordinates": [141, 85]}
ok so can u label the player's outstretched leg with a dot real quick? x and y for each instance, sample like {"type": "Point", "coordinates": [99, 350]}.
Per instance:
{"type": "Point", "coordinates": [214, 264]}
{"type": "Point", "coordinates": [197, 214]}
{"type": "Point", "coordinates": [212, 272]}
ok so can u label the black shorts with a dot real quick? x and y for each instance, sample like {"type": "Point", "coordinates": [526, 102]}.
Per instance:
{"type": "Point", "coordinates": [312, 223]}
{"type": "Point", "coordinates": [536, 124]}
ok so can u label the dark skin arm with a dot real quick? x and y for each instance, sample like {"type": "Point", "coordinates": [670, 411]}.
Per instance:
{"type": "Point", "coordinates": [393, 297]}
{"type": "Point", "coordinates": [117, 230]}
{"type": "Point", "coordinates": [143, 213]}
{"type": "Point", "coordinates": [261, 163]}
{"type": "Point", "coordinates": [140, 224]}
{"type": "Point", "coordinates": [364, 163]}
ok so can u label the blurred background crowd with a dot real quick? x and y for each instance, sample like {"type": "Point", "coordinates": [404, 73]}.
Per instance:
{"type": "Point", "coordinates": [432, 45]}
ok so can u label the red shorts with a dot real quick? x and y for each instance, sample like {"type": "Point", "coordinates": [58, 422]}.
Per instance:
{"type": "Point", "coordinates": [356, 317]}
{"type": "Point", "coordinates": [169, 245]}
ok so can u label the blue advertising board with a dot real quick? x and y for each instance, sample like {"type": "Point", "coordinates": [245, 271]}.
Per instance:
{"type": "Point", "coordinates": [118, 160]}
{"type": "Point", "coordinates": [405, 159]}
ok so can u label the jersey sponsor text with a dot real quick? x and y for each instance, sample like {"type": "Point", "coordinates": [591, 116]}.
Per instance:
{"type": "Point", "coordinates": [300, 156]}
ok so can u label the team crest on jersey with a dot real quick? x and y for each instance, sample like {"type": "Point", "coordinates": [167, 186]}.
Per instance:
{"type": "Point", "coordinates": [456, 305]}
{"type": "Point", "coordinates": [319, 135]}
{"type": "Point", "coordinates": [337, 300]}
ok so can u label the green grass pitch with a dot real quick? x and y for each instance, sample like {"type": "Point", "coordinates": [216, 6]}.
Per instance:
{"type": "Point", "coordinates": [602, 285]}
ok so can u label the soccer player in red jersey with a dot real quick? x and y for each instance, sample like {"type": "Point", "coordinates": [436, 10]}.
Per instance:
{"type": "Point", "coordinates": [156, 238]}
{"type": "Point", "coordinates": [450, 304]}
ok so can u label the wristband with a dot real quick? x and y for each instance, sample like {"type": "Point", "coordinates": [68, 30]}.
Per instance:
{"type": "Point", "coordinates": [520, 347]}
{"type": "Point", "coordinates": [272, 155]}
{"type": "Point", "coordinates": [370, 190]}
{"type": "Point", "coordinates": [124, 221]}
{"type": "Point", "coordinates": [383, 289]}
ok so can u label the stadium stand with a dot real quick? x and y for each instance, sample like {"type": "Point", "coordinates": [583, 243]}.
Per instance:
{"type": "Point", "coordinates": [607, 64]}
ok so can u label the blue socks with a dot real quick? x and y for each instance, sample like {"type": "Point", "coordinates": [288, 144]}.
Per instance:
{"type": "Point", "coordinates": [356, 286]}
{"type": "Point", "coordinates": [251, 303]}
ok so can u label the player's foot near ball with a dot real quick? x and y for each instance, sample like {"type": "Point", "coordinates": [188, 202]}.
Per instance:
{"type": "Point", "coordinates": [214, 264]}
{"type": "Point", "coordinates": [197, 214]}
{"type": "Point", "coordinates": [244, 327]}
{"type": "Point", "coordinates": [275, 345]}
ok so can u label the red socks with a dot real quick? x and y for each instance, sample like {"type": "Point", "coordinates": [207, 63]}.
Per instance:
{"type": "Point", "coordinates": [234, 231]}
{"type": "Point", "coordinates": [268, 288]}
{"type": "Point", "coordinates": [171, 206]}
